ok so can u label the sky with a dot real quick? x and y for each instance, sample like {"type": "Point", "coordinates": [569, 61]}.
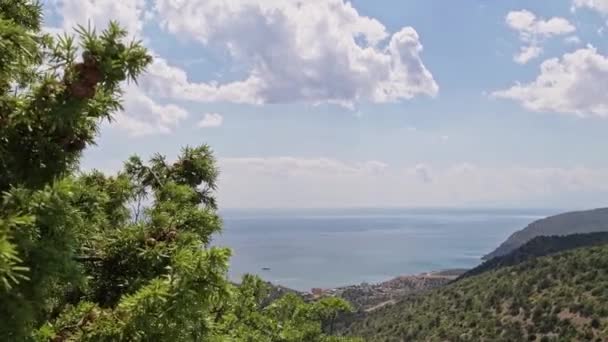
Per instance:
{"type": "Point", "coordinates": [383, 103]}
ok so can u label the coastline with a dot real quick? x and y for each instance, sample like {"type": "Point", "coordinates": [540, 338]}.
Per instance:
{"type": "Point", "coordinates": [367, 297]}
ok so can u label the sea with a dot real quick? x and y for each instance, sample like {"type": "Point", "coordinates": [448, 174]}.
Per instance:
{"type": "Point", "coordinates": [326, 248]}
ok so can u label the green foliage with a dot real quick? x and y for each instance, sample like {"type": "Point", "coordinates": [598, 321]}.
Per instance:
{"type": "Point", "coordinates": [576, 222]}
{"type": "Point", "coordinates": [561, 297]}
{"type": "Point", "coordinates": [92, 257]}
{"type": "Point", "coordinates": [537, 247]}
{"type": "Point", "coordinates": [52, 98]}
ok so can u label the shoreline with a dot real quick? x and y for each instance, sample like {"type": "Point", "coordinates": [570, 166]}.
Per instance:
{"type": "Point", "coordinates": [439, 274]}
{"type": "Point", "coordinates": [366, 297]}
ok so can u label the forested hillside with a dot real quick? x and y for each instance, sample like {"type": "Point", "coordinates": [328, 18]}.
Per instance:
{"type": "Point", "coordinates": [537, 247]}
{"type": "Point", "coordinates": [563, 297]}
{"type": "Point", "coordinates": [587, 221]}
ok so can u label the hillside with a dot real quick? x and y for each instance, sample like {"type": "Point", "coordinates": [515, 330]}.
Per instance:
{"type": "Point", "coordinates": [368, 297]}
{"type": "Point", "coordinates": [538, 247]}
{"type": "Point", "coordinates": [562, 297]}
{"type": "Point", "coordinates": [588, 221]}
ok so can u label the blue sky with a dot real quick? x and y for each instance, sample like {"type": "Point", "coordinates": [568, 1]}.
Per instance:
{"type": "Point", "coordinates": [327, 103]}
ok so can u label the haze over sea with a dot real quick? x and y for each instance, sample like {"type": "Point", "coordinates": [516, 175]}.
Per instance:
{"type": "Point", "coordinates": [329, 248]}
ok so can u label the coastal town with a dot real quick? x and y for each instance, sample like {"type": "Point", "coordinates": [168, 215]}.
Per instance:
{"type": "Point", "coordinates": [367, 297]}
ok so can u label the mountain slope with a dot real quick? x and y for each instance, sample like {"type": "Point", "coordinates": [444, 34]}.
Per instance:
{"type": "Point", "coordinates": [562, 297]}
{"type": "Point", "coordinates": [538, 247]}
{"type": "Point", "coordinates": [588, 221]}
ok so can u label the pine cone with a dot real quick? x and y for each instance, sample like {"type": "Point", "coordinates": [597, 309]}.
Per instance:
{"type": "Point", "coordinates": [171, 235]}
{"type": "Point", "coordinates": [81, 90]}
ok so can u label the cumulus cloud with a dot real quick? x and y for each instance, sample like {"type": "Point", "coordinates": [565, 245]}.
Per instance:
{"type": "Point", "coordinates": [168, 81]}
{"type": "Point", "coordinates": [211, 120]}
{"type": "Point", "coordinates": [143, 116]}
{"type": "Point", "coordinates": [298, 51]}
{"type": "Point", "coordinates": [533, 31]}
{"type": "Point", "coordinates": [527, 53]}
{"type": "Point", "coordinates": [323, 182]}
{"type": "Point", "coordinates": [600, 6]}
{"type": "Point", "coordinates": [310, 52]}
{"type": "Point", "coordinates": [130, 14]}
{"type": "Point", "coordinates": [577, 83]}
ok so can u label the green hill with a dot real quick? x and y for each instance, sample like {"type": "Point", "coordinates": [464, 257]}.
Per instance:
{"type": "Point", "coordinates": [562, 297]}
{"type": "Point", "coordinates": [538, 247]}
{"type": "Point", "coordinates": [588, 221]}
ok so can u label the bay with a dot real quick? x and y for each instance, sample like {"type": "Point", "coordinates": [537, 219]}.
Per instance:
{"type": "Point", "coordinates": [326, 248]}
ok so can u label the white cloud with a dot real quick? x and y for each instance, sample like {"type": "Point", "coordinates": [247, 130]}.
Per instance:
{"type": "Point", "coordinates": [142, 116]}
{"type": "Point", "coordinates": [577, 84]}
{"type": "Point", "coordinates": [165, 80]}
{"type": "Point", "coordinates": [527, 53]}
{"type": "Point", "coordinates": [211, 120]}
{"type": "Point", "coordinates": [574, 40]}
{"type": "Point", "coordinates": [129, 13]}
{"type": "Point", "coordinates": [298, 51]}
{"type": "Point", "coordinates": [313, 52]}
{"type": "Point", "coordinates": [290, 182]}
{"type": "Point", "coordinates": [600, 6]}
{"type": "Point", "coordinates": [296, 182]}
{"type": "Point", "coordinates": [53, 31]}
{"type": "Point", "coordinates": [533, 31]}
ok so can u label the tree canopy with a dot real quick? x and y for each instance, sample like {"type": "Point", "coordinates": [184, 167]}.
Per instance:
{"type": "Point", "coordinates": [560, 297]}
{"type": "Point", "coordinates": [80, 258]}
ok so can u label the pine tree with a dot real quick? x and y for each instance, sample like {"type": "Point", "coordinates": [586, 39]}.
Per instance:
{"type": "Point", "coordinates": [76, 263]}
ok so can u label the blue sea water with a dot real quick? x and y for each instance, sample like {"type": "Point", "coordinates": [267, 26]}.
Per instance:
{"type": "Point", "coordinates": [329, 248]}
